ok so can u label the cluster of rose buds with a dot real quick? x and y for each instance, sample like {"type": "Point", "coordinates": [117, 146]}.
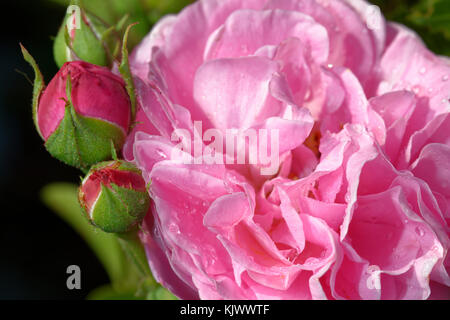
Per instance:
{"type": "Point", "coordinates": [84, 115]}
{"type": "Point", "coordinates": [83, 109]}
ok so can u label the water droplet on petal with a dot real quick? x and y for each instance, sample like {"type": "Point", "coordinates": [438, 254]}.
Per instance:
{"type": "Point", "coordinates": [416, 89]}
{"type": "Point", "coordinates": [174, 228]}
{"type": "Point", "coordinates": [373, 268]}
{"type": "Point", "coordinates": [420, 231]}
{"type": "Point", "coordinates": [445, 78]}
{"type": "Point", "coordinates": [423, 70]}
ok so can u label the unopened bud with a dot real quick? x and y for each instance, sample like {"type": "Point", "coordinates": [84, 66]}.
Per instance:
{"type": "Point", "coordinates": [82, 111]}
{"type": "Point", "coordinates": [114, 196]}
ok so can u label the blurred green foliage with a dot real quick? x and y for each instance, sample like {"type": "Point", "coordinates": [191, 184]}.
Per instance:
{"type": "Point", "coordinates": [429, 18]}
{"type": "Point", "coordinates": [127, 282]}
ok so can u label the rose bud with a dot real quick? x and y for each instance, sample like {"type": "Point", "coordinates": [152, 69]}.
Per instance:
{"type": "Point", "coordinates": [79, 127]}
{"type": "Point", "coordinates": [114, 196]}
{"type": "Point", "coordinates": [84, 36]}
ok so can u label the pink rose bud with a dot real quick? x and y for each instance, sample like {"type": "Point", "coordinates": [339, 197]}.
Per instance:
{"type": "Point", "coordinates": [79, 129]}
{"type": "Point", "coordinates": [114, 196]}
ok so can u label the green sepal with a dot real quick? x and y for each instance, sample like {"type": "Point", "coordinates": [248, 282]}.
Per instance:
{"type": "Point", "coordinates": [125, 71]}
{"type": "Point", "coordinates": [38, 85]}
{"type": "Point", "coordinates": [120, 25]}
{"type": "Point", "coordinates": [128, 166]}
{"type": "Point", "coordinates": [133, 248]}
{"type": "Point", "coordinates": [113, 151]}
{"type": "Point", "coordinates": [94, 42]}
{"type": "Point", "coordinates": [81, 141]}
{"type": "Point", "coordinates": [119, 209]}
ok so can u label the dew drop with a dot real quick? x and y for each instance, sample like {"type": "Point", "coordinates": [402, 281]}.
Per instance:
{"type": "Point", "coordinates": [174, 228]}
{"type": "Point", "coordinates": [435, 248]}
{"type": "Point", "coordinates": [423, 70]}
{"type": "Point", "coordinates": [420, 231]}
{"type": "Point", "coordinates": [156, 233]}
{"type": "Point", "coordinates": [445, 78]}
{"type": "Point", "coordinates": [228, 188]}
{"type": "Point", "coordinates": [330, 66]}
{"type": "Point", "coordinates": [308, 95]}
{"type": "Point", "coordinates": [161, 154]}
{"type": "Point", "coordinates": [311, 261]}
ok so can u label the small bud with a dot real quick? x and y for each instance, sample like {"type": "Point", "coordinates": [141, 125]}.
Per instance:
{"type": "Point", "coordinates": [84, 36]}
{"type": "Point", "coordinates": [114, 196]}
{"type": "Point", "coordinates": [83, 109]}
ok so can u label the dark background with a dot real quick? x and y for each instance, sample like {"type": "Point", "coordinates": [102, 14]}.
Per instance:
{"type": "Point", "coordinates": [36, 246]}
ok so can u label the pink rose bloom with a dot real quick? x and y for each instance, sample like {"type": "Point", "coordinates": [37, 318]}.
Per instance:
{"type": "Point", "coordinates": [358, 207]}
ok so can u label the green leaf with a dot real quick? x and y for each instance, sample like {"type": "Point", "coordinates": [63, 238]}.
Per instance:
{"type": "Point", "coordinates": [135, 252]}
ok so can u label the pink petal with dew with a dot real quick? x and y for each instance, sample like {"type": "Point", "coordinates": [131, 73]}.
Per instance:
{"type": "Point", "coordinates": [234, 92]}
{"type": "Point", "coordinates": [407, 64]}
